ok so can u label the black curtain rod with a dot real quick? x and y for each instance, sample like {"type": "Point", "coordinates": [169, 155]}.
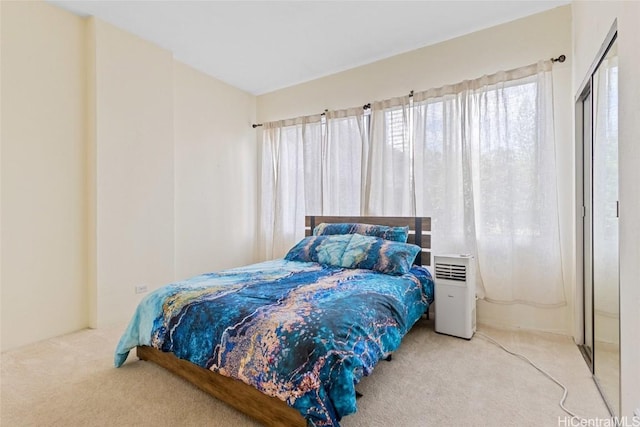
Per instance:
{"type": "Point", "coordinates": [364, 107]}
{"type": "Point", "coordinates": [560, 58]}
{"type": "Point", "coordinates": [255, 125]}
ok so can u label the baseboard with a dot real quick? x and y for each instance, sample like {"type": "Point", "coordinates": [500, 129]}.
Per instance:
{"type": "Point", "coordinates": [523, 317]}
{"type": "Point", "coordinates": [507, 327]}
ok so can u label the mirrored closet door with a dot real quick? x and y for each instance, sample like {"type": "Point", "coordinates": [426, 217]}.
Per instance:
{"type": "Point", "coordinates": [598, 113]}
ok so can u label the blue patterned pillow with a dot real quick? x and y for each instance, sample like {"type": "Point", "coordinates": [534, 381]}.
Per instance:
{"type": "Point", "coordinates": [397, 234]}
{"type": "Point", "coordinates": [325, 250]}
{"type": "Point", "coordinates": [374, 253]}
{"type": "Point", "coordinates": [332, 248]}
{"type": "Point", "coordinates": [356, 251]}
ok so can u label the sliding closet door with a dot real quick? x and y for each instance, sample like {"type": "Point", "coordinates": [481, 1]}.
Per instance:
{"type": "Point", "coordinates": [597, 109]}
{"type": "Point", "coordinates": [587, 226]}
{"type": "Point", "coordinates": [606, 313]}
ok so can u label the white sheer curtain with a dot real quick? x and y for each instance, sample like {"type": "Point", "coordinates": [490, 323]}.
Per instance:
{"type": "Point", "coordinates": [515, 191]}
{"type": "Point", "coordinates": [333, 162]}
{"type": "Point", "coordinates": [478, 157]}
{"type": "Point", "coordinates": [310, 166]}
{"type": "Point", "coordinates": [389, 188]}
{"type": "Point", "coordinates": [282, 196]}
{"type": "Point", "coordinates": [444, 186]}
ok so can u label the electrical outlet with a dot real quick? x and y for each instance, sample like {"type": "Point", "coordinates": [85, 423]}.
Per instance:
{"type": "Point", "coordinates": [141, 289]}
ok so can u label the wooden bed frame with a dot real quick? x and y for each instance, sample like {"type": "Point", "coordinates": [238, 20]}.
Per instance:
{"type": "Point", "coordinates": [268, 410]}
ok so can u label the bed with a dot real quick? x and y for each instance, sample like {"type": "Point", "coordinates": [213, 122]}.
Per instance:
{"type": "Point", "coordinates": [286, 341]}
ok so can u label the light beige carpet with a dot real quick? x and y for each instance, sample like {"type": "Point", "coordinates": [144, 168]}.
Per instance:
{"type": "Point", "coordinates": [433, 380]}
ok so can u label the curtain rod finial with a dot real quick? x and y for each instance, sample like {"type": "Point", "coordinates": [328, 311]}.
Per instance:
{"type": "Point", "coordinates": [560, 58]}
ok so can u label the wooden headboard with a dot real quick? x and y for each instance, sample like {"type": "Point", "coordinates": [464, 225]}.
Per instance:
{"type": "Point", "coordinates": [419, 229]}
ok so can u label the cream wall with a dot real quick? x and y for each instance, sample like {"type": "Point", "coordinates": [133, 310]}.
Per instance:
{"type": "Point", "coordinates": [591, 23]}
{"type": "Point", "coordinates": [120, 167]}
{"type": "Point", "coordinates": [507, 46]}
{"type": "Point", "coordinates": [134, 168]}
{"type": "Point", "coordinates": [215, 173]}
{"type": "Point", "coordinates": [43, 260]}
{"type": "Point", "coordinates": [175, 176]}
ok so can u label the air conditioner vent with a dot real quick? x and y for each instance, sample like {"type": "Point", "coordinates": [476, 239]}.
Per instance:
{"type": "Point", "coordinates": [451, 272]}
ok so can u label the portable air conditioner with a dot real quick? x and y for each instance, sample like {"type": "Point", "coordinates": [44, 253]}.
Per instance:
{"type": "Point", "coordinates": [455, 295]}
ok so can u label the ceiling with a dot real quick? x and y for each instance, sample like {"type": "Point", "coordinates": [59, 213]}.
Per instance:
{"type": "Point", "coordinates": [262, 46]}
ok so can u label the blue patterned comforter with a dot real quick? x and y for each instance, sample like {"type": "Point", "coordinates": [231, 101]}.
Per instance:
{"type": "Point", "coordinates": [299, 331]}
